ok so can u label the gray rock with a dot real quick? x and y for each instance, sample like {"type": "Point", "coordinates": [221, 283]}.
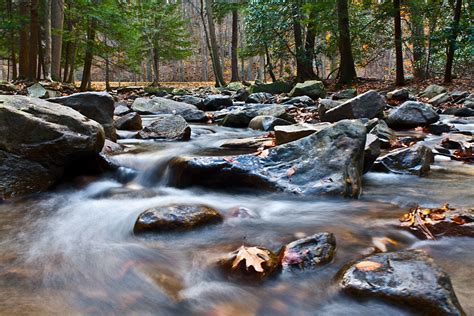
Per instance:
{"type": "Point", "coordinates": [371, 152]}
{"type": "Point", "coordinates": [121, 109]}
{"type": "Point", "coordinates": [98, 106]}
{"type": "Point", "coordinates": [367, 105]}
{"type": "Point", "coordinates": [168, 127]}
{"type": "Point", "coordinates": [289, 133]}
{"type": "Point", "coordinates": [439, 99]}
{"type": "Point", "coordinates": [312, 88]}
{"type": "Point", "coordinates": [327, 162]}
{"type": "Point", "coordinates": [411, 114]}
{"type": "Point", "coordinates": [432, 91]}
{"type": "Point", "coordinates": [216, 102]}
{"type": "Point", "coordinates": [176, 218]}
{"type": "Point", "coordinates": [190, 99]}
{"type": "Point", "coordinates": [398, 95]}
{"type": "Point", "coordinates": [259, 97]}
{"type": "Point", "coordinates": [241, 95]}
{"type": "Point", "coordinates": [409, 278]}
{"type": "Point", "coordinates": [242, 116]}
{"type": "Point", "coordinates": [266, 123]}
{"type": "Point", "coordinates": [38, 140]}
{"type": "Point", "coordinates": [129, 122]}
{"type": "Point", "coordinates": [301, 101]}
{"type": "Point", "coordinates": [461, 112]}
{"type": "Point", "coordinates": [36, 91]}
{"type": "Point", "coordinates": [250, 142]}
{"type": "Point", "coordinates": [344, 94]}
{"type": "Point", "coordinates": [158, 105]}
{"type": "Point", "coordinates": [309, 252]}
{"type": "Point", "coordinates": [235, 86]}
{"type": "Point", "coordinates": [411, 160]}
{"type": "Point", "coordinates": [385, 134]}
{"type": "Point", "coordinates": [277, 87]}
{"type": "Point", "coordinates": [459, 96]}
{"type": "Point", "coordinates": [326, 105]}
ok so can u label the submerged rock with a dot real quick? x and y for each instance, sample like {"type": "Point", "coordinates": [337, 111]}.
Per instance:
{"type": "Point", "coordinates": [129, 122]}
{"type": "Point", "coordinates": [311, 88]}
{"type": "Point", "coordinates": [367, 105]}
{"type": "Point", "coordinates": [38, 140]}
{"type": "Point", "coordinates": [412, 114]}
{"type": "Point", "coordinates": [98, 106]}
{"type": "Point", "coordinates": [411, 160]}
{"type": "Point", "coordinates": [406, 277]}
{"type": "Point", "coordinates": [327, 162]}
{"type": "Point", "coordinates": [266, 123]}
{"type": "Point", "coordinates": [176, 218]}
{"type": "Point", "coordinates": [158, 105]}
{"type": "Point", "coordinates": [309, 252]}
{"type": "Point", "coordinates": [167, 126]}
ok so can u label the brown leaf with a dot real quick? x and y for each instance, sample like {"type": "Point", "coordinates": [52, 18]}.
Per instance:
{"type": "Point", "coordinates": [291, 172]}
{"type": "Point", "coordinates": [368, 265]}
{"type": "Point", "coordinates": [253, 256]}
{"type": "Point", "coordinates": [458, 220]}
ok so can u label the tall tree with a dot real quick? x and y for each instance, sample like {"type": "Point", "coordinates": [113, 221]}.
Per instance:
{"type": "Point", "coordinates": [86, 72]}
{"type": "Point", "coordinates": [11, 37]}
{"type": "Point", "coordinates": [399, 75]}
{"type": "Point", "coordinates": [214, 48]}
{"type": "Point", "coordinates": [304, 61]}
{"type": "Point", "coordinates": [24, 53]}
{"type": "Point", "coordinates": [451, 47]}
{"type": "Point", "coordinates": [235, 44]}
{"type": "Point", "coordinates": [46, 37]}
{"type": "Point", "coordinates": [347, 72]}
{"type": "Point", "coordinates": [34, 40]}
{"type": "Point", "coordinates": [57, 21]}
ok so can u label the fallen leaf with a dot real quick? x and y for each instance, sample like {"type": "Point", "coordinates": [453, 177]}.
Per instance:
{"type": "Point", "coordinates": [368, 265]}
{"type": "Point", "coordinates": [458, 220]}
{"type": "Point", "coordinates": [291, 172]}
{"type": "Point", "coordinates": [253, 256]}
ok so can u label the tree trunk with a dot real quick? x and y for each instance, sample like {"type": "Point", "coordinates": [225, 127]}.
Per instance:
{"type": "Point", "coordinates": [156, 66]}
{"type": "Point", "coordinates": [347, 72]}
{"type": "Point", "coordinates": [57, 21]}
{"type": "Point", "coordinates": [86, 73]}
{"type": "Point", "coordinates": [46, 35]}
{"type": "Point", "coordinates": [24, 55]}
{"type": "Point", "coordinates": [12, 42]}
{"type": "Point", "coordinates": [34, 40]}
{"type": "Point", "coordinates": [72, 63]}
{"type": "Point", "coordinates": [304, 66]}
{"type": "Point", "coordinates": [269, 64]}
{"type": "Point", "coordinates": [235, 43]}
{"type": "Point", "coordinates": [399, 77]}
{"type": "Point", "coordinates": [448, 77]}
{"type": "Point", "coordinates": [107, 75]}
{"type": "Point", "coordinates": [216, 64]}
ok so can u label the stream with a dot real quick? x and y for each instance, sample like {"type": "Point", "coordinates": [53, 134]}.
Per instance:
{"type": "Point", "coordinates": [72, 251]}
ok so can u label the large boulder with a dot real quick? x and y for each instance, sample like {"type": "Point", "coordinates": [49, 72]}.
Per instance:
{"type": "Point", "coordinates": [432, 91]}
{"type": "Point", "coordinates": [398, 95]}
{"type": "Point", "coordinates": [289, 133]}
{"type": "Point", "coordinates": [409, 278]}
{"type": "Point", "coordinates": [309, 252]}
{"type": "Point", "coordinates": [366, 105]}
{"type": "Point", "coordinates": [39, 139]}
{"type": "Point", "coordinates": [242, 116]}
{"type": "Point", "coordinates": [327, 162]}
{"type": "Point", "coordinates": [311, 88]}
{"type": "Point", "coordinates": [130, 122]}
{"type": "Point", "coordinates": [276, 87]}
{"type": "Point", "coordinates": [98, 106]}
{"type": "Point", "coordinates": [266, 122]}
{"type": "Point", "coordinates": [158, 105]}
{"type": "Point", "coordinates": [190, 99]}
{"type": "Point", "coordinates": [167, 127]}
{"type": "Point", "coordinates": [411, 160]}
{"type": "Point", "coordinates": [176, 218]}
{"type": "Point", "coordinates": [411, 114]}
{"type": "Point", "coordinates": [215, 102]}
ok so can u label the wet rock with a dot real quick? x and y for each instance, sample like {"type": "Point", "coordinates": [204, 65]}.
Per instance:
{"type": "Point", "coordinates": [276, 87]}
{"type": "Point", "coordinates": [176, 218]}
{"type": "Point", "coordinates": [121, 109]}
{"type": "Point", "coordinates": [411, 160]}
{"type": "Point", "coordinates": [250, 264]}
{"type": "Point", "coordinates": [250, 142]}
{"type": "Point", "coordinates": [241, 95]}
{"type": "Point", "coordinates": [367, 105]}
{"type": "Point", "coordinates": [242, 116]}
{"type": "Point", "coordinates": [158, 105]}
{"type": "Point", "coordinates": [327, 162]}
{"type": "Point", "coordinates": [38, 139]}
{"type": "Point", "coordinates": [301, 101]}
{"type": "Point", "coordinates": [311, 88]}
{"type": "Point", "coordinates": [459, 96]}
{"type": "Point", "coordinates": [259, 97]}
{"type": "Point", "coordinates": [266, 123]}
{"type": "Point", "coordinates": [190, 99]}
{"type": "Point", "coordinates": [412, 114]}
{"type": "Point", "coordinates": [371, 152]}
{"type": "Point", "coordinates": [432, 91]}
{"type": "Point", "coordinates": [409, 278]}
{"type": "Point", "coordinates": [439, 99]}
{"type": "Point", "coordinates": [344, 94]}
{"type": "Point", "coordinates": [129, 122]}
{"type": "Point", "coordinates": [216, 102]}
{"type": "Point", "coordinates": [98, 106]}
{"type": "Point", "coordinates": [242, 212]}
{"type": "Point", "coordinates": [167, 126]}
{"type": "Point", "coordinates": [111, 148]}
{"type": "Point", "coordinates": [461, 112]}
{"type": "Point", "coordinates": [384, 133]}
{"type": "Point", "coordinates": [289, 133]}
{"type": "Point", "coordinates": [398, 95]}
{"type": "Point", "coordinates": [439, 128]}
{"type": "Point", "coordinates": [309, 252]}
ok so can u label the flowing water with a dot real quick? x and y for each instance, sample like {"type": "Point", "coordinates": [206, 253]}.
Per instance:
{"type": "Point", "coordinates": [71, 251]}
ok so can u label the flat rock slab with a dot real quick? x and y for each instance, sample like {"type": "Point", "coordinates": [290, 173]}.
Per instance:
{"type": "Point", "coordinates": [176, 218]}
{"type": "Point", "coordinates": [309, 252]}
{"type": "Point", "coordinates": [327, 162]}
{"type": "Point", "coordinates": [158, 105]}
{"type": "Point", "coordinates": [289, 133]}
{"type": "Point", "coordinates": [167, 126]}
{"type": "Point", "coordinates": [367, 105]}
{"type": "Point", "coordinates": [406, 277]}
